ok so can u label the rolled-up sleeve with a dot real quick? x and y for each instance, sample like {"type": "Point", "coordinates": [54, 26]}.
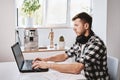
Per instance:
{"type": "Point", "coordinates": [73, 50]}
{"type": "Point", "coordinates": [70, 52]}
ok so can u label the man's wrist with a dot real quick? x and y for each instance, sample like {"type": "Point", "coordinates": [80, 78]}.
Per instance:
{"type": "Point", "coordinates": [46, 59]}
{"type": "Point", "coordinates": [49, 65]}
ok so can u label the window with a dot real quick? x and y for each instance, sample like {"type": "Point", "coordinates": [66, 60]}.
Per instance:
{"type": "Point", "coordinates": [37, 17]}
{"type": "Point", "coordinates": [78, 6]}
{"type": "Point", "coordinates": [55, 13]}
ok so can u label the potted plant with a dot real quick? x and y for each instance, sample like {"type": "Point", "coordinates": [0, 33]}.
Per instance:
{"type": "Point", "coordinates": [29, 7]}
{"type": "Point", "coordinates": [61, 43]}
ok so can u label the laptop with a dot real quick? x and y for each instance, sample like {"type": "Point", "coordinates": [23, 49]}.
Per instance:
{"type": "Point", "coordinates": [23, 65]}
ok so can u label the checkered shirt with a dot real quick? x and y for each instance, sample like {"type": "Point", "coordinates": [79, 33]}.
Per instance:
{"type": "Point", "coordinates": [93, 56]}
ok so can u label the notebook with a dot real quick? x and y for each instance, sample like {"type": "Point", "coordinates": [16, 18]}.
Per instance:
{"type": "Point", "coordinates": [23, 65]}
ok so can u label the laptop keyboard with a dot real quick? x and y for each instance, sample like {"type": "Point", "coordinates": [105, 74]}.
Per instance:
{"type": "Point", "coordinates": [27, 65]}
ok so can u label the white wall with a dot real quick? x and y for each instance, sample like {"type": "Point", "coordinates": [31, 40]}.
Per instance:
{"type": "Point", "coordinates": [68, 34]}
{"type": "Point", "coordinates": [113, 28]}
{"type": "Point", "coordinates": [100, 18]}
{"type": "Point", "coordinates": [7, 27]}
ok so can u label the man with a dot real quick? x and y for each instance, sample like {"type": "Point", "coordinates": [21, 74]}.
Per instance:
{"type": "Point", "coordinates": [89, 51]}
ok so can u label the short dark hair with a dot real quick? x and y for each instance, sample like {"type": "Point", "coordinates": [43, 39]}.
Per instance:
{"type": "Point", "coordinates": [84, 17]}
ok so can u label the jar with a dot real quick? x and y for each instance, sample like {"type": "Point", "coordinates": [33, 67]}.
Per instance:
{"type": "Point", "coordinates": [61, 43]}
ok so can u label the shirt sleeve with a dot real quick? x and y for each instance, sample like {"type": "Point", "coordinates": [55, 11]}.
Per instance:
{"type": "Point", "coordinates": [71, 52]}
{"type": "Point", "coordinates": [93, 53]}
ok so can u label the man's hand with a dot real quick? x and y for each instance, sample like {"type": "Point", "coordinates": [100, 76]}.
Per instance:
{"type": "Point", "coordinates": [39, 59]}
{"type": "Point", "coordinates": [40, 64]}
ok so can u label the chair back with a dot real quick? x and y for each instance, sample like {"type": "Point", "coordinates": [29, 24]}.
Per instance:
{"type": "Point", "coordinates": [113, 67]}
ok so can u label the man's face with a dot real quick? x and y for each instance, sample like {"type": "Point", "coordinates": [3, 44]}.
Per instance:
{"type": "Point", "coordinates": [79, 27]}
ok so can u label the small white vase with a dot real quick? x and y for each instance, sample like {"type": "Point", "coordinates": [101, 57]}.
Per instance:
{"type": "Point", "coordinates": [29, 22]}
{"type": "Point", "coordinates": [61, 45]}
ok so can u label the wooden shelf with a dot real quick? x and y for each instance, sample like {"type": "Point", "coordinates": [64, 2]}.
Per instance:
{"type": "Point", "coordinates": [42, 50]}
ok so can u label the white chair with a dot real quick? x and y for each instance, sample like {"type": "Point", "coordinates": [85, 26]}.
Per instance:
{"type": "Point", "coordinates": [113, 67]}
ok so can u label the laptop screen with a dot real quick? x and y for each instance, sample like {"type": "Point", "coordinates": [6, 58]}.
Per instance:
{"type": "Point", "coordinates": [18, 54]}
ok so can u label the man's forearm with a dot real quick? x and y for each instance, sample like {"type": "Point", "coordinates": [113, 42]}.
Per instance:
{"type": "Point", "coordinates": [74, 68]}
{"type": "Point", "coordinates": [57, 58]}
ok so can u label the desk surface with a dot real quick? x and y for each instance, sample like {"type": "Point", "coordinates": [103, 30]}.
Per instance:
{"type": "Point", "coordinates": [9, 71]}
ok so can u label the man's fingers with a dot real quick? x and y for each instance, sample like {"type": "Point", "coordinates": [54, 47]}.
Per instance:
{"type": "Point", "coordinates": [35, 64]}
{"type": "Point", "coordinates": [36, 67]}
{"type": "Point", "coordinates": [37, 59]}
{"type": "Point", "coordinates": [39, 64]}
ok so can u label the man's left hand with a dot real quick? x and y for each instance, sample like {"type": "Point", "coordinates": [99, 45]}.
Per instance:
{"type": "Point", "coordinates": [40, 64]}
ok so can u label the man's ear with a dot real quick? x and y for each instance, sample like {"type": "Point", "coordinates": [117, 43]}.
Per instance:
{"type": "Point", "coordinates": [86, 25]}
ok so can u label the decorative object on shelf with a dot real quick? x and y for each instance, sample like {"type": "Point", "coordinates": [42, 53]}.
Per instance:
{"type": "Point", "coordinates": [51, 37]}
{"type": "Point", "coordinates": [29, 21]}
{"type": "Point", "coordinates": [29, 7]}
{"type": "Point", "coordinates": [30, 39]}
{"type": "Point", "coordinates": [61, 42]}
{"type": "Point", "coordinates": [55, 46]}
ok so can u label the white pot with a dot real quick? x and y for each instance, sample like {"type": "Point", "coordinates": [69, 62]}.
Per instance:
{"type": "Point", "coordinates": [29, 22]}
{"type": "Point", "coordinates": [61, 45]}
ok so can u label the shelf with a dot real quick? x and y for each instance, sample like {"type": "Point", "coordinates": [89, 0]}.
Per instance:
{"type": "Point", "coordinates": [42, 50]}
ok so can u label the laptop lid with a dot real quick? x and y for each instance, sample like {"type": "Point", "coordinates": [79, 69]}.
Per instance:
{"type": "Point", "coordinates": [20, 59]}
{"type": "Point", "coordinates": [18, 55]}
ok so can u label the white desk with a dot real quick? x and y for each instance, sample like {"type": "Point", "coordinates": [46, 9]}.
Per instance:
{"type": "Point", "coordinates": [9, 71]}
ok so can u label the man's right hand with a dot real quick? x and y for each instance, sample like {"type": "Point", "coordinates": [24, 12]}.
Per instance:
{"type": "Point", "coordinates": [38, 59]}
